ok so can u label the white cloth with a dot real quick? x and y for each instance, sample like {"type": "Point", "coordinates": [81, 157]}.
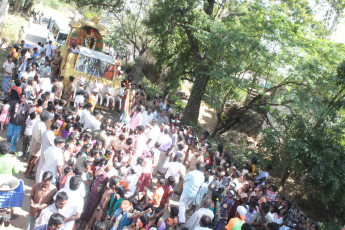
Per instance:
{"type": "Point", "coordinates": [53, 158]}
{"type": "Point", "coordinates": [75, 204]}
{"type": "Point", "coordinates": [92, 123]}
{"type": "Point", "coordinates": [173, 169]}
{"type": "Point", "coordinates": [45, 215]}
{"type": "Point", "coordinates": [81, 188]}
{"type": "Point", "coordinates": [28, 126]}
{"type": "Point", "coordinates": [48, 138]}
{"type": "Point", "coordinates": [84, 114]}
{"type": "Point", "coordinates": [183, 204]}
{"type": "Point", "coordinates": [146, 118]}
{"type": "Point", "coordinates": [8, 68]}
{"type": "Point", "coordinates": [140, 146]}
{"type": "Point", "coordinates": [153, 135]}
{"type": "Point", "coordinates": [194, 220]}
{"type": "Point", "coordinates": [37, 130]}
{"type": "Point", "coordinates": [49, 50]}
{"type": "Point", "coordinates": [45, 85]}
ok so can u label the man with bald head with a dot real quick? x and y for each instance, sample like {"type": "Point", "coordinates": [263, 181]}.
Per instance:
{"type": "Point", "coordinates": [194, 220]}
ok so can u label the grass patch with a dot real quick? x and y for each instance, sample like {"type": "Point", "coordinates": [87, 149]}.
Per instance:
{"type": "Point", "coordinates": [11, 26]}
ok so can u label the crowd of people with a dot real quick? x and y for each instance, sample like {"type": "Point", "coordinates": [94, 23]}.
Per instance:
{"type": "Point", "coordinates": [92, 172]}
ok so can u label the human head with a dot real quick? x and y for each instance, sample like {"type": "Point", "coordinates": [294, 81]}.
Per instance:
{"type": "Point", "coordinates": [59, 142]}
{"type": "Point", "coordinates": [264, 209]}
{"type": "Point", "coordinates": [200, 166]}
{"type": "Point", "coordinates": [171, 180]}
{"type": "Point", "coordinates": [166, 130]}
{"type": "Point", "coordinates": [140, 160]}
{"type": "Point", "coordinates": [241, 212]}
{"type": "Point", "coordinates": [44, 116]}
{"type": "Point", "coordinates": [55, 127]}
{"type": "Point", "coordinates": [273, 226]}
{"type": "Point", "coordinates": [112, 182]}
{"type": "Point", "coordinates": [47, 177]}
{"type": "Point", "coordinates": [9, 58]}
{"type": "Point", "coordinates": [75, 182]}
{"type": "Point", "coordinates": [4, 147]}
{"type": "Point", "coordinates": [145, 219]}
{"type": "Point", "coordinates": [61, 200]}
{"type": "Point", "coordinates": [22, 98]}
{"type": "Point", "coordinates": [180, 158]}
{"type": "Point", "coordinates": [205, 221]}
{"type": "Point", "coordinates": [160, 182]}
{"type": "Point", "coordinates": [56, 221]}
{"type": "Point", "coordinates": [138, 109]}
{"type": "Point", "coordinates": [140, 129]}
{"type": "Point", "coordinates": [246, 226]}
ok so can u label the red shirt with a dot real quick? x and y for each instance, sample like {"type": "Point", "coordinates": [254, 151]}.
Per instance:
{"type": "Point", "coordinates": [15, 88]}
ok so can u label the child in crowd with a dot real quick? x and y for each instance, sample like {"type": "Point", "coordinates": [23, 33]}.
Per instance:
{"type": "Point", "coordinates": [29, 123]}
{"type": "Point", "coordinates": [3, 116]}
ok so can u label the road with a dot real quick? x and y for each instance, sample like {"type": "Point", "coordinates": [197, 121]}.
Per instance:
{"type": "Point", "coordinates": [36, 33]}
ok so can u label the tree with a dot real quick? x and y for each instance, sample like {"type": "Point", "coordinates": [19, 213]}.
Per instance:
{"type": "Point", "coordinates": [185, 38]}
{"type": "Point", "coordinates": [21, 6]}
{"type": "Point", "coordinates": [129, 28]}
{"type": "Point", "coordinates": [107, 5]}
{"type": "Point", "coordinates": [207, 41]}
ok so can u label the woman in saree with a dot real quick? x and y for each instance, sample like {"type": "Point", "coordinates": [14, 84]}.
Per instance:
{"type": "Point", "coordinates": [96, 191]}
{"type": "Point", "coordinates": [103, 205]}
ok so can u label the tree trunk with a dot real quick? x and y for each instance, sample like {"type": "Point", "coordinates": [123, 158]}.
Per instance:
{"type": "Point", "coordinates": [17, 6]}
{"type": "Point", "coordinates": [191, 112]}
{"type": "Point", "coordinates": [3, 8]}
{"type": "Point", "coordinates": [285, 176]}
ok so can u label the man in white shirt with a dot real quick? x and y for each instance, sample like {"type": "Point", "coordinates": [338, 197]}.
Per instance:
{"type": "Point", "coordinates": [43, 69]}
{"type": "Point", "coordinates": [57, 207]}
{"type": "Point", "coordinates": [153, 134]}
{"type": "Point", "coordinates": [93, 122]}
{"type": "Point", "coordinates": [48, 138]}
{"type": "Point", "coordinates": [54, 159]}
{"type": "Point", "coordinates": [175, 169]}
{"type": "Point", "coordinates": [140, 143]}
{"type": "Point", "coordinates": [7, 70]}
{"type": "Point", "coordinates": [195, 220]}
{"type": "Point", "coordinates": [50, 48]}
{"type": "Point", "coordinates": [204, 223]}
{"type": "Point", "coordinates": [85, 112]}
{"type": "Point", "coordinates": [75, 204]}
{"type": "Point", "coordinates": [35, 150]}
{"type": "Point", "coordinates": [25, 64]}
{"type": "Point", "coordinates": [147, 117]}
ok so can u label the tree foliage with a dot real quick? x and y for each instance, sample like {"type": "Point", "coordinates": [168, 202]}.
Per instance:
{"type": "Point", "coordinates": [106, 5]}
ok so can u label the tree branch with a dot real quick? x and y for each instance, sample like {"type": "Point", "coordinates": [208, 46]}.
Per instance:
{"type": "Point", "coordinates": [95, 3]}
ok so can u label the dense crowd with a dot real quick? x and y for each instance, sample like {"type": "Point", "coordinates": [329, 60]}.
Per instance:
{"type": "Point", "coordinates": [92, 172]}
